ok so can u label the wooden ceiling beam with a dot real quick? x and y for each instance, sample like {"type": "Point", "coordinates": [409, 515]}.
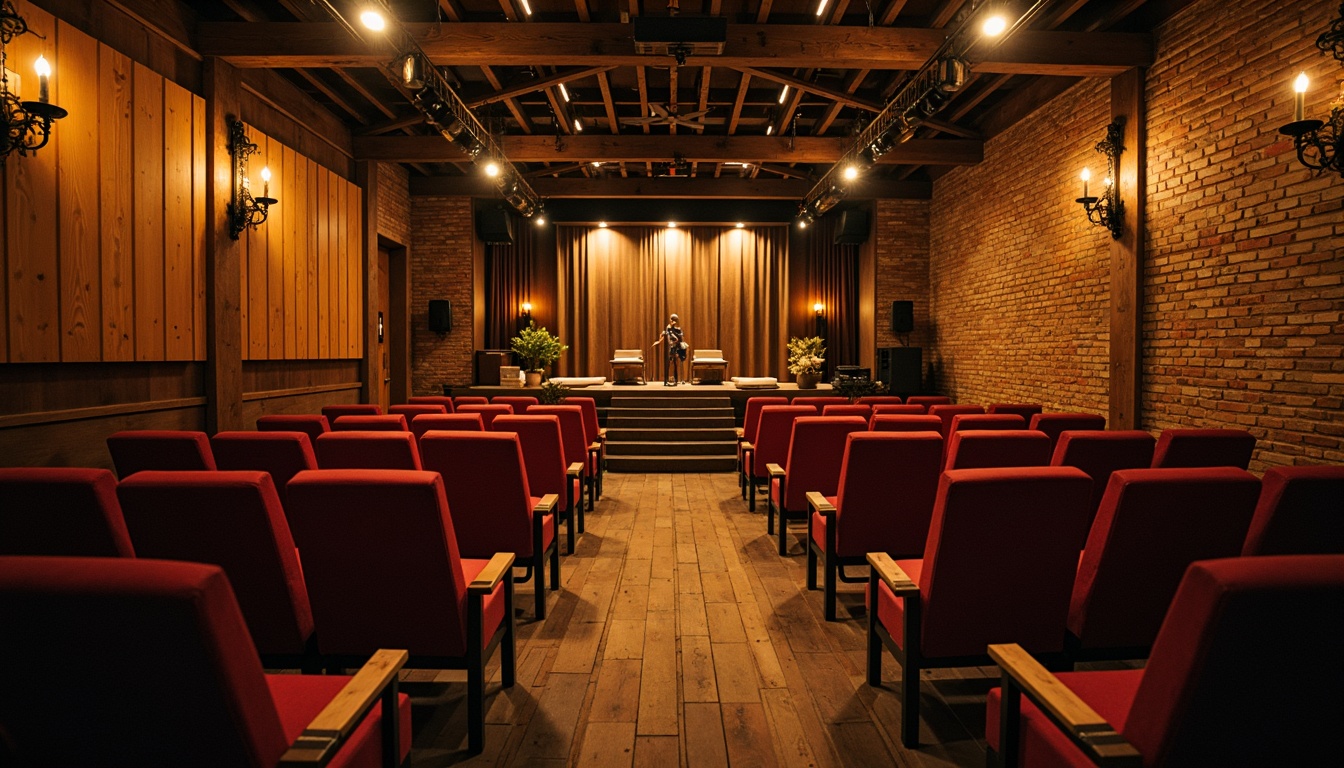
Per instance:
{"type": "Point", "coordinates": [840, 97]}
{"type": "Point", "coordinates": [727, 188]}
{"type": "Point", "coordinates": [532, 86]}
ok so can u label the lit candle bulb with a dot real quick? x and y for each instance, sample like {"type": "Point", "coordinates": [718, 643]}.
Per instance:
{"type": "Point", "coordinates": [1300, 97]}
{"type": "Point", "coordinates": [265, 181]}
{"type": "Point", "coordinates": [1087, 175]}
{"type": "Point", "coordinates": [43, 79]}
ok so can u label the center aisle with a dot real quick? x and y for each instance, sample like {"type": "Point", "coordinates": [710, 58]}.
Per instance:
{"type": "Point", "coordinates": [680, 637]}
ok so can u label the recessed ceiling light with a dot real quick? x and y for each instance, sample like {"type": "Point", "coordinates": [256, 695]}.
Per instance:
{"type": "Point", "coordinates": [821, 7]}
{"type": "Point", "coordinates": [769, 129]}
{"type": "Point", "coordinates": [578, 125]}
{"type": "Point", "coordinates": [783, 92]}
{"type": "Point", "coordinates": [597, 163]}
{"type": "Point", "coordinates": [564, 92]}
{"type": "Point", "coordinates": [373, 20]}
{"type": "Point", "coordinates": [527, 9]}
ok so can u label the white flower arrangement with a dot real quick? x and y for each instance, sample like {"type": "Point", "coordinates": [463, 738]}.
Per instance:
{"type": "Point", "coordinates": [806, 355]}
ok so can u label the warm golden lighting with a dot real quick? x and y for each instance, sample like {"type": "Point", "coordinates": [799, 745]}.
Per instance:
{"type": "Point", "coordinates": [373, 20]}
{"type": "Point", "coordinates": [1299, 85]}
{"type": "Point", "coordinates": [671, 225]}
{"type": "Point", "coordinates": [578, 125]}
{"type": "Point", "coordinates": [821, 7]}
{"type": "Point", "coordinates": [43, 67]}
{"type": "Point", "coordinates": [1300, 97]}
{"type": "Point", "coordinates": [769, 129]}
{"type": "Point", "coordinates": [527, 9]}
{"type": "Point", "coordinates": [527, 306]}
{"type": "Point", "coordinates": [564, 92]}
{"type": "Point", "coordinates": [541, 220]}
{"type": "Point", "coordinates": [994, 26]}
{"type": "Point", "coordinates": [491, 169]}
{"type": "Point", "coordinates": [818, 307]}
{"type": "Point", "coordinates": [783, 92]}
{"type": "Point", "coordinates": [602, 224]}
{"type": "Point", "coordinates": [851, 172]}
{"type": "Point", "coordinates": [1086, 176]}
{"type": "Point", "coordinates": [802, 223]}
{"type": "Point", "coordinates": [740, 225]}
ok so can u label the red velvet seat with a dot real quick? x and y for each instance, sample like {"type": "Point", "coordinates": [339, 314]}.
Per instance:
{"type": "Point", "coordinates": [65, 511]}
{"type": "Point", "coordinates": [883, 504]}
{"type": "Point", "coordinates": [334, 412]}
{"type": "Point", "coordinates": [486, 411]}
{"type": "Point", "coordinates": [880, 400]}
{"type": "Point", "coordinates": [446, 402]}
{"type": "Point", "coordinates": [153, 662]}
{"type": "Point", "coordinates": [367, 450]}
{"type": "Point", "coordinates": [895, 409]}
{"type": "Point", "coordinates": [903, 422]}
{"type": "Point", "coordinates": [946, 413]}
{"type": "Point", "coordinates": [452, 422]}
{"type": "Point", "coordinates": [1053, 424]}
{"type": "Point", "coordinates": [1245, 671]}
{"type": "Point", "coordinates": [165, 449]}
{"type": "Point", "coordinates": [392, 422]}
{"type": "Point", "coordinates": [1204, 448]}
{"type": "Point", "coordinates": [462, 400]}
{"type": "Point", "coordinates": [381, 561]}
{"type": "Point", "coordinates": [985, 449]}
{"type": "Point", "coordinates": [816, 451]}
{"type": "Point", "coordinates": [1100, 452]}
{"type": "Point", "coordinates": [1300, 512]}
{"type": "Point", "coordinates": [519, 403]}
{"type": "Point", "coordinates": [575, 441]}
{"type": "Point", "coordinates": [410, 411]}
{"type": "Point", "coordinates": [746, 434]}
{"type": "Point", "coordinates": [596, 437]}
{"type": "Point", "coordinates": [929, 400]}
{"type": "Point", "coordinates": [233, 520]}
{"type": "Point", "coordinates": [845, 409]}
{"type": "Point", "coordinates": [983, 579]}
{"type": "Point", "coordinates": [492, 506]}
{"type": "Point", "coordinates": [311, 424]}
{"type": "Point", "coordinates": [771, 445]}
{"type": "Point", "coordinates": [1151, 525]}
{"type": "Point", "coordinates": [544, 460]}
{"type": "Point", "coordinates": [983, 421]}
{"type": "Point", "coordinates": [1025, 410]}
{"type": "Point", "coordinates": [819, 401]}
{"type": "Point", "coordinates": [279, 454]}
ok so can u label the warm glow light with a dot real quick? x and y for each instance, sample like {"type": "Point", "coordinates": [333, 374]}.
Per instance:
{"type": "Point", "coordinates": [564, 92]}
{"type": "Point", "coordinates": [821, 7]}
{"type": "Point", "coordinates": [782, 93]}
{"type": "Point", "coordinates": [373, 20]}
{"type": "Point", "coordinates": [527, 306]}
{"type": "Point", "coordinates": [802, 223]}
{"type": "Point", "coordinates": [491, 169]}
{"type": "Point", "coordinates": [1106, 181]}
{"type": "Point", "coordinates": [602, 224]}
{"type": "Point", "coordinates": [578, 125]}
{"type": "Point", "coordinates": [597, 163]}
{"type": "Point", "coordinates": [541, 220]}
{"type": "Point", "coordinates": [994, 26]}
{"type": "Point", "coordinates": [851, 172]}
{"type": "Point", "coordinates": [1086, 175]}
{"type": "Point", "coordinates": [44, 68]}
{"type": "Point", "coordinates": [740, 225]}
{"type": "Point", "coordinates": [818, 307]}
{"type": "Point", "coordinates": [266, 173]}
{"type": "Point", "coordinates": [769, 129]}
{"type": "Point", "coordinates": [671, 225]}
{"type": "Point", "coordinates": [527, 9]}
{"type": "Point", "coordinates": [1300, 84]}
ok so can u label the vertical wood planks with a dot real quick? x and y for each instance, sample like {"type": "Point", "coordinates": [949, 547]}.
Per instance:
{"type": "Point", "coordinates": [333, 264]}
{"type": "Point", "coordinates": [115, 205]}
{"type": "Point", "coordinates": [178, 283]}
{"type": "Point", "coordinates": [302, 314]}
{"type": "Point", "coordinates": [342, 303]}
{"type": "Point", "coordinates": [271, 154]}
{"type": "Point", "coordinates": [77, 174]}
{"type": "Point", "coordinates": [310, 227]}
{"type": "Point", "coordinates": [198, 225]}
{"type": "Point", "coordinates": [147, 157]}
{"type": "Point", "coordinates": [354, 235]}
{"type": "Point", "coordinates": [322, 253]}
{"type": "Point", "coordinates": [289, 220]}
{"type": "Point", "coordinates": [257, 299]}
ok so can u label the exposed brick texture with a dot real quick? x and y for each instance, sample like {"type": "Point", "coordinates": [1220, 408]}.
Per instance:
{"type": "Point", "coordinates": [394, 203]}
{"type": "Point", "coordinates": [902, 255]}
{"type": "Point", "coordinates": [441, 268]}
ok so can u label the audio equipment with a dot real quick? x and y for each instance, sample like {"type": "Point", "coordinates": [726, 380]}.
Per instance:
{"type": "Point", "coordinates": [440, 315]}
{"type": "Point", "coordinates": [902, 316]}
{"type": "Point", "coordinates": [901, 369]}
{"type": "Point", "coordinates": [494, 225]}
{"type": "Point", "coordinates": [853, 229]}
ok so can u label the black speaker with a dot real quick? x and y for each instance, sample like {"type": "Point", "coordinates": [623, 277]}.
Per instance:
{"type": "Point", "coordinates": [853, 229]}
{"type": "Point", "coordinates": [902, 316]}
{"type": "Point", "coordinates": [494, 225]}
{"type": "Point", "coordinates": [440, 315]}
{"type": "Point", "coordinates": [901, 369]}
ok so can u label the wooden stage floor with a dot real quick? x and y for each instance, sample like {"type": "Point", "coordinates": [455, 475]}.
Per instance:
{"type": "Point", "coordinates": [603, 393]}
{"type": "Point", "coordinates": [680, 638]}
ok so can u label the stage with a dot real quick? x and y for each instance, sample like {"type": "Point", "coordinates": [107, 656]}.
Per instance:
{"type": "Point", "coordinates": [603, 393]}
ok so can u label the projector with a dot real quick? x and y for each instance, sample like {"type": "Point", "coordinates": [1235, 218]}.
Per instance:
{"type": "Point", "coordinates": [680, 36]}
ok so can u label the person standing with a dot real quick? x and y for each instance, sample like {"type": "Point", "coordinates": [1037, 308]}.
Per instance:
{"type": "Point", "coordinates": [673, 340]}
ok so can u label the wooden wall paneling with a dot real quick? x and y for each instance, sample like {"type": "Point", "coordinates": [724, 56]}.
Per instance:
{"type": "Point", "coordinates": [31, 231]}
{"type": "Point", "coordinates": [299, 199]}
{"type": "Point", "coordinates": [290, 221]}
{"type": "Point", "coordinates": [310, 224]}
{"type": "Point", "coordinates": [342, 220]}
{"type": "Point", "coordinates": [225, 346]}
{"type": "Point", "coordinates": [333, 264]}
{"type": "Point", "coordinates": [178, 281]}
{"type": "Point", "coordinates": [77, 176]}
{"type": "Point", "coordinates": [359, 270]}
{"type": "Point", "coordinates": [198, 224]}
{"type": "Point", "coordinates": [115, 205]}
{"type": "Point", "coordinates": [1127, 254]}
{"type": "Point", "coordinates": [323, 257]}
{"type": "Point", "coordinates": [272, 155]}
{"type": "Point", "coordinates": [38, 392]}
{"type": "Point", "coordinates": [244, 288]}
{"type": "Point", "coordinates": [4, 264]}
{"type": "Point", "coordinates": [257, 298]}
{"type": "Point", "coordinates": [147, 156]}
{"type": "Point", "coordinates": [82, 442]}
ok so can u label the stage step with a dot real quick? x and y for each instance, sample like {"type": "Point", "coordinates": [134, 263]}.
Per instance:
{"type": "Point", "coordinates": [671, 402]}
{"type": "Point", "coordinates": [669, 422]}
{"type": "Point", "coordinates": [615, 412]}
{"type": "Point", "coordinates": [680, 448]}
{"type": "Point", "coordinates": [671, 433]}
{"type": "Point", "coordinates": [674, 464]}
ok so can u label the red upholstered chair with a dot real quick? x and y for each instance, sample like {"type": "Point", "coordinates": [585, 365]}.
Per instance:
{"type": "Point", "coordinates": [1099, 452]}
{"type": "Point", "coordinates": [883, 504]}
{"type": "Point", "coordinates": [381, 561]}
{"type": "Point", "coordinates": [1052, 424]}
{"type": "Point", "coordinates": [367, 450]}
{"type": "Point", "coordinates": [61, 511]}
{"type": "Point", "coordinates": [857, 409]}
{"type": "Point", "coordinates": [412, 410]}
{"type": "Point", "coordinates": [596, 437]}
{"type": "Point", "coordinates": [1208, 695]}
{"type": "Point", "coordinates": [393, 422]}
{"type": "Point", "coordinates": [1152, 524]}
{"type": "Point", "coordinates": [165, 449]}
{"type": "Point", "coordinates": [156, 660]}
{"type": "Point", "coordinates": [334, 412]}
{"type": "Point", "coordinates": [895, 409]}
{"type": "Point", "coordinates": [771, 445]}
{"type": "Point", "coordinates": [880, 400]}
{"type": "Point", "coordinates": [746, 434]}
{"type": "Point", "coordinates": [311, 424]}
{"type": "Point", "coordinates": [981, 580]}
{"type": "Point", "coordinates": [452, 422]}
{"type": "Point", "coordinates": [816, 451]}
{"type": "Point", "coordinates": [946, 413]}
{"type": "Point", "coordinates": [1204, 448]}
{"type": "Point", "coordinates": [520, 404]}
{"type": "Point", "coordinates": [279, 454]}
{"type": "Point", "coordinates": [1025, 410]}
{"type": "Point", "coordinates": [493, 507]}
{"type": "Point", "coordinates": [486, 411]}
{"type": "Point", "coordinates": [1301, 512]}
{"type": "Point", "coordinates": [988, 448]}
{"type": "Point", "coordinates": [544, 460]}
{"type": "Point", "coordinates": [819, 401]}
{"type": "Point", "coordinates": [576, 446]}
{"type": "Point", "coordinates": [233, 520]}
{"type": "Point", "coordinates": [929, 400]}
{"type": "Point", "coordinates": [446, 402]}
{"type": "Point", "coordinates": [901, 422]}
{"type": "Point", "coordinates": [985, 421]}
{"type": "Point", "coordinates": [461, 400]}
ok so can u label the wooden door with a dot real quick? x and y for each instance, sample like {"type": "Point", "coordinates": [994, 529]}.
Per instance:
{"type": "Point", "coordinates": [384, 320]}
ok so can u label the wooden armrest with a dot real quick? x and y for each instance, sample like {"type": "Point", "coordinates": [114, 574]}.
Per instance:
{"type": "Point", "coordinates": [575, 469]}
{"type": "Point", "coordinates": [818, 503]}
{"type": "Point", "coordinates": [746, 446]}
{"type": "Point", "coordinates": [888, 571]}
{"type": "Point", "coordinates": [594, 447]}
{"type": "Point", "coordinates": [489, 578]}
{"type": "Point", "coordinates": [1081, 722]}
{"type": "Point", "coordinates": [602, 433]}
{"type": "Point", "coordinates": [547, 504]}
{"type": "Point", "coordinates": [741, 433]}
{"type": "Point", "coordinates": [324, 735]}
{"type": "Point", "coordinates": [774, 470]}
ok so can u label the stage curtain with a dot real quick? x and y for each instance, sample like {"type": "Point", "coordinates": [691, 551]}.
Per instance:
{"type": "Point", "coordinates": [619, 284]}
{"type": "Point", "coordinates": [508, 281]}
{"type": "Point", "coordinates": [833, 278]}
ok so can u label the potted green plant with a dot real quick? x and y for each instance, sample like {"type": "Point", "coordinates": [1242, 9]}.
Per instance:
{"type": "Point", "coordinates": [806, 360]}
{"type": "Point", "coordinates": [857, 388]}
{"type": "Point", "coordinates": [537, 348]}
{"type": "Point", "coordinates": [552, 393]}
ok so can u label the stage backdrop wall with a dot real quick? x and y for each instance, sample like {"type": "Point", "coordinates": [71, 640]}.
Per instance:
{"type": "Point", "coordinates": [619, 284]}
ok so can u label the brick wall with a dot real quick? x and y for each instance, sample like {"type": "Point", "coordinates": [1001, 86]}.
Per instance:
{"type": "Point", "coordinates": [901, 249]}
{"type": "Point", "coordinates": [441, 268]}
{"type": "Point", "coordinates": [394, 202]}
{"type": "Point", "coordinates": [1243, 279]}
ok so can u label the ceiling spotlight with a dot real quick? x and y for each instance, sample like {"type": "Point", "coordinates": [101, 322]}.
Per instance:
{"type": "Point", "coordinates": [851, 172]}
{"type": "Point", "coordinates": [740, 225]}
{"type": "Point", "coordinates": [578, 125]}
{"type": "Point", "coordinates": [802, 222]}
{"type": "Point", "coordinates": [597, 163]}
{"type": "Point", "coordinates": [602, 224]}
{"type": "Point", "coordinates": [994, 26]}
{"type": "Point", "coordinates": [492, 169]}
{"type": "Point", "coordinates": [821, 7]}
{"type": "Point", "coordinates": [783, 92]}
{"type": "Point", "coordinates": [527, 9]}
{"type": "Point", "coordinates": [541, 219]}
{"type": "Point", "coordinates": [373, 20]}
{"type": "Point", "coordinates": [564, 92]}
{"type": "Point", "coordinates": [412, 72]}
{"type": "Point", "coordinates": [671, 225]}
{"type": "Point", "coordinates": [769, 129]}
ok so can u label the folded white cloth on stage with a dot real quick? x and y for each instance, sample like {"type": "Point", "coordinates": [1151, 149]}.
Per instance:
{"type": "Point", "coordinates": [712, 360]}
{"type": "Point", "coordinates": [579, 381]}
{"type": "Point", "coordinates": [756, 382]}
{"type": "Point", "coordinates": [628, 360]}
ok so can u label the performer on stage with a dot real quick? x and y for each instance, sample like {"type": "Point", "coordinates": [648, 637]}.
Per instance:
{"type": "Point", "coordinates": [674, 341]}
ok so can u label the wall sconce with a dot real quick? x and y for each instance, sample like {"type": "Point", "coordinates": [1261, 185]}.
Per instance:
{"type": "Point", "coordinates": [25, 126]}
{"type": "Point", "coordinates": [246, 211]}
{"type": "Point", "coordinates": [527, 312]}
{"type": "Point", "coordinates": [1319, 144]}
{"type": "Point", "coordinates": [818, 308]}
{"type": "Point", "coordinates": [1108, 210]}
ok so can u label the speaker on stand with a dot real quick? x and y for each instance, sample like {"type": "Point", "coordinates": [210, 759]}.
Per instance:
{"type": "Point", "coordinates": [902, 369]}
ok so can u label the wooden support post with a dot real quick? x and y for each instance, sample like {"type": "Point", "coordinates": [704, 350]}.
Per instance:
{"type": "Point", "coordinates": [1127, 253]}
{"type": "Point", "coordinates": [370, 372]}
{"type": "Point", "coordinates": [223, 292]}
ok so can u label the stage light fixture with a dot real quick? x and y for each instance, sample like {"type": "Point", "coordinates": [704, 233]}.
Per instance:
{"type": "Point", "coordinates": [412, 71]}
{"type": "Point", "coordinates": [851, 172]}
{"type": "Point", "coordinates": [564, 92]}
{"type": "Point", "coordinates": [783, 93]}
{"type": "Point", "coordinates": [373, 20]}
{"type": "Point", "coordinates": [492, 169]}
{"type": "Point", "coordinates": [994, 26]}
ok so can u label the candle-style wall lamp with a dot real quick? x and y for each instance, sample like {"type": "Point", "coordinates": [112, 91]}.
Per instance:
{"type": "Point", "coordinates": [526, 313]}
{"type": "Point", "coordinates": [25, 126]}
{"type": "Point", "coordinates": [1108, 210]}
{"type": "Point", "coordinates": [1320, 143]}
{"type": "Point", "coordinates": [246, 211]}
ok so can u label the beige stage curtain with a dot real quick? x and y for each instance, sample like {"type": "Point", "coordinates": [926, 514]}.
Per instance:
{"type": "Point", "coordinates": [619, 284]}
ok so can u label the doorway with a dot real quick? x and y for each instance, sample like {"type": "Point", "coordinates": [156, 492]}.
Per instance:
{"type": "Point", "coordinates": [391, 362]}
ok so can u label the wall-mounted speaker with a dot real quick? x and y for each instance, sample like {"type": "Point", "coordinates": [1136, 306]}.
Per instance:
{"type": "Point", "coordinates": [853, 229]}
{"type": "Point", "coordinates": [440, 315]}
{"type": "Point", "coordinates": [493, 225]}
{"type": "Point", "coordinates": [902, 316]}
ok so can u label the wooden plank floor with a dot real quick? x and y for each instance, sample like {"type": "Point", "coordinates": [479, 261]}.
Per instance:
{"type": "Point", "coordinates": [681, 638]}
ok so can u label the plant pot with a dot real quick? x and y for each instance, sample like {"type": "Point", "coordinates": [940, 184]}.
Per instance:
{"type": "Point", "coordinates": [532, 378]}
{"type": "Point", "coordinates": [808, 380]}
